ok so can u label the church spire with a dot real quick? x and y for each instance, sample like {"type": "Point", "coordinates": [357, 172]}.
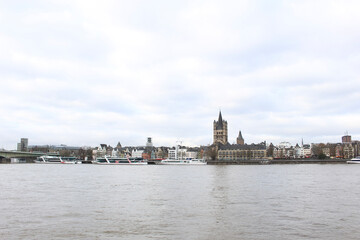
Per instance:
{"type": "Point", "coordinates": [240, 139]}
{"type": "Point", "coordinates": [219, 125]}
{"type": "Point", "coordinates": [240, 135]}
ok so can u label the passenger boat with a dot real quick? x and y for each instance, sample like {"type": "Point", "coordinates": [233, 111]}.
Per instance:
{"type": "Point", "coordinates": [56, 160]}
{"type": "Point", "coordinates": [71, 160]}
{"type": "Point", "coordinates": [188, 161]}
{"type": "Point", "coordinates": [119, 161]}
{"type": "Point", "coordinates": [354, 160]}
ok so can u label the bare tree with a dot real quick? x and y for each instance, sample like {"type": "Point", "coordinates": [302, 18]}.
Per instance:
{"type": "Point", "coordinates": [211, 152]}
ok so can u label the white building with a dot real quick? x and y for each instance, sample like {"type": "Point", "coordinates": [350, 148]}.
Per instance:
{"type": "Point", "coordinates": [137, 153]}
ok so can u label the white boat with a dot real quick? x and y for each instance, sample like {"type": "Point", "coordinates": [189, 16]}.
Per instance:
{"type": "Point", "coordinates": [176, 160]}
{"type": "Point", "coordinates": [55, 160]}
{"type": "Point", "coordinates": [354, 160]}
{"type": "Point", "coordinates": [119, 161]}
{"type": "Point", "coordinates": [70, 160]}
{"type": "Point", "coordinates": [183, 162]}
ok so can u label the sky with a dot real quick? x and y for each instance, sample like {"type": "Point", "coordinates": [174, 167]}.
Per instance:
{"type": "Point", "coordinates": [83, 72]}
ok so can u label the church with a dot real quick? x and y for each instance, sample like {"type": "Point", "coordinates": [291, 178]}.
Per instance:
{"type": "Point", "coordinates": [234, 152]}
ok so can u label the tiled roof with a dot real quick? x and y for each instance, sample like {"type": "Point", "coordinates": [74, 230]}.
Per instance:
{"type": "Point", "coordinates": [243, 147]}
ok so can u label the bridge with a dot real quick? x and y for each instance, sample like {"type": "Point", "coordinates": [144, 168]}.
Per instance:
{"type": "Point", "coordinates": [26, 155]}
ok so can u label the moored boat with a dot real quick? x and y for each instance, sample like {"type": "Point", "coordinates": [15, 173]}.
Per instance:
{"type": "Point", "coordinates": [183, 162]}
{"type": "Point", "coordinates": [354, 160]}
{"type": "Point", "coordinates": [71, 160]}
{"type": "Point", "coordinates": [54, 160]}
{"type": "Point", "coordinates": [119, 161]}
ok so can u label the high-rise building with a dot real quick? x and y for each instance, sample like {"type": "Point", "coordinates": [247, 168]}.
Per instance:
{"type": "Point", "coordinates": [149, 142]}
{"type": "Point", "coordinates": [220, 131]}
{"type": "Point", "coordinates": [346, 139]}
{"type": "Point", "coordinates": [23, 145]}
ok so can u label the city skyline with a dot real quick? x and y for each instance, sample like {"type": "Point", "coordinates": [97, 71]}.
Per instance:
{"type": "Point", "coordinates": [83, 73]}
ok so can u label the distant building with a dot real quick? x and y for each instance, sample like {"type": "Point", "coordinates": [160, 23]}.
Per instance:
{"type": "Point", "coordinates": [235, 152]}
{"type": "Point", "coordinates": [220, 131]}
{"type": "Point", "coordinates": [238, 152]}
{"type": "Point", "coordinates": [348, 150]}
{"type": "Point", "coordinates": [23, 145]}
{"type": "Point", "coordinates": [240, 139]}
{"type": "Point", "coordinates": [137, 152]}
{"type": "Point", "coordinates": [178, 152]}
{"type": "Point", "coordinates": [149, 142]}
{"type": "Point", "coordinates": [346, 139]}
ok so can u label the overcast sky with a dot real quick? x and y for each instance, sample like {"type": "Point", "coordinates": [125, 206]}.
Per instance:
{"type": "Point", "coordinates": [89, 72]}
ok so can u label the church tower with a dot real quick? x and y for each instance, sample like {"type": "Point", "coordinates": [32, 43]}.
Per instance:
{"type": "Point", "coordinates": [240, 139]}
{"type": "Point", "coordinates": [220, 131]}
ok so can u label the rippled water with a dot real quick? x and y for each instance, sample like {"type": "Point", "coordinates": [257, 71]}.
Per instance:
{"type": "Point", "coordinates": [179, 202]}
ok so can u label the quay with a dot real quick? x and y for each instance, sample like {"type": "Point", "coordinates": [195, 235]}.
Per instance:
{"type": "Point", "coordinates": [278, 161]}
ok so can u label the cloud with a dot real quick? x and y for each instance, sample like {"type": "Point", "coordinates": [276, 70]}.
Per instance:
{"type": "Point", "coordinates": [84, 72]}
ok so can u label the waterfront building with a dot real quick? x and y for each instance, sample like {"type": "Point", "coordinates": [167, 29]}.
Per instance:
{"type": "Point", "coordinates": [326, 151]}
{"type": "Point", "coordinates": [161, 152]}
{"type": "Point", "coordinates": [356, 146]}
{"type": "Point", "coordinates": [298, 151]}
{"type": "Point", "coordinates": [307, 150]}
{"type": "Point", "coordinates": [220, 131]}
{"type": "Point", "coordinates": [348, 151]}
{"type": "Point", "coordinates": [177, 152]}
{"type": "Point", "coordinates": [137, 152]}
{"type": "Point", "coordinates": [238, 152]}
{"type": "Point", "coordinates": [172, 154]}
{"type": "Point", "coordinates": [234, 152]}
{"type": "Point", "coordinates": [182, 152]}
{"type": "Point", "coordinates": [284, 150]}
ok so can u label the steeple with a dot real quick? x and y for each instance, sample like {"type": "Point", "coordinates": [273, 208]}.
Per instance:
{"type": "Point", "coordinates": [220, 130]}
{"type": "Point", "coordinates": [219, 124]}
{"type": "Point", "coordinates": [240, 139]}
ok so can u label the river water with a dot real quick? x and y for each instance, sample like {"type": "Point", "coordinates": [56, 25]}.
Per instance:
{"type": "Point", "coordinates": [179, 202]}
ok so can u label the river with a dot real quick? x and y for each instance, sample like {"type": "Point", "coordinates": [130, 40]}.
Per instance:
{"type": "Point", "coordinates": [305, 201]}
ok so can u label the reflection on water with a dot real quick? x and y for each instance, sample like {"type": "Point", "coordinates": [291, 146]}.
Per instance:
{"type": "Point", "coordinates": [179, 202]}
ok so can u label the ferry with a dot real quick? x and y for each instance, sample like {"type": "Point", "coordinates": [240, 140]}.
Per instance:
{"type": "Point", "coordinates": [354, 160]}
{"type": "Point", "coordinates": [57, 160]}
{"type": "Point", "coordinates": [188, 161]}
{"type": "Point", "coordinates": [119, 161]}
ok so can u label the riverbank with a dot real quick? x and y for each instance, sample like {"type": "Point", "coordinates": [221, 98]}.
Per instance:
{"type": "Point", "coordinates": [280, 161]}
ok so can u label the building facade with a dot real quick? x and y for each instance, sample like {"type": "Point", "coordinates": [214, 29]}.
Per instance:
{"type": "Point", "coordinates": [238, 152]}
{"type": "Point", "coordinates": [234, 152]}
{"type": "Point", "coordinates": [220, 131]}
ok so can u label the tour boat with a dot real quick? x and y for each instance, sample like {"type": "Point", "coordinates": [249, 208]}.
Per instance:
{"type": "Point", "coordinates": [183, 162]}
{"type": "Point", "coordinates": [56, 160]}
{"type": "Point", "coordinates": [119, 161]}
{"type": "Point", "coordinates": [71, 160]}
{"type": "Point", "coordinates": [354, 160]}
